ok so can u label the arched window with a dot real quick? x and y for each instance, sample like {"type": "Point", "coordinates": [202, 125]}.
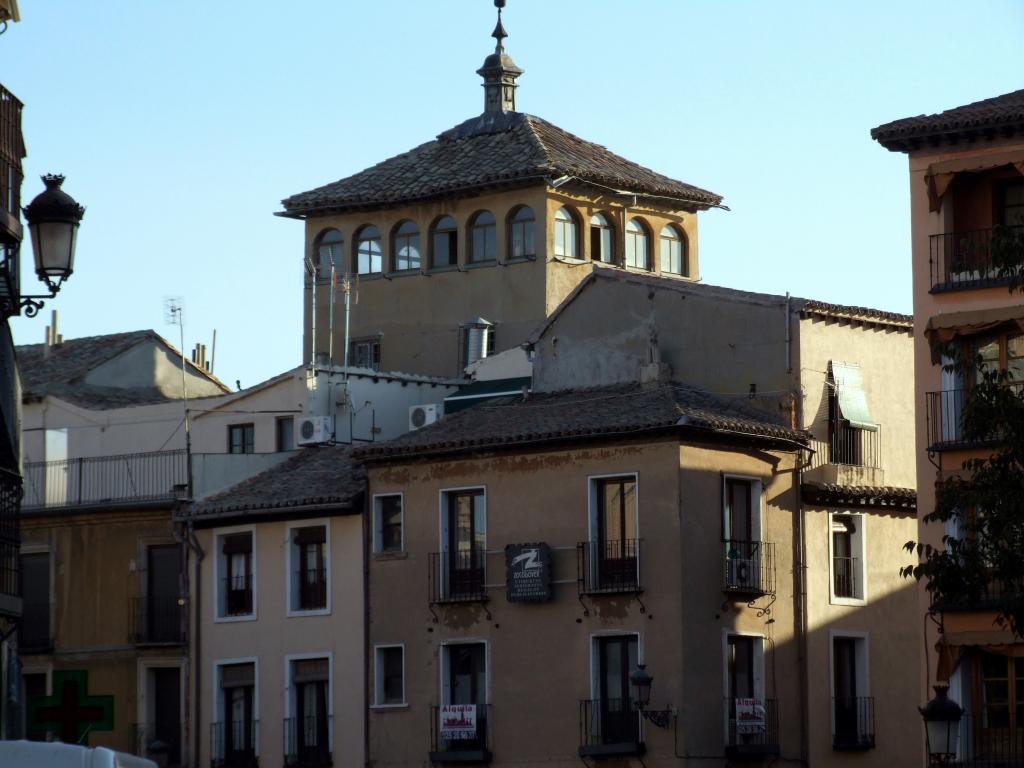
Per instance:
{"type": "Point", "coordinates": [637, 247]}
{"type": "Point", "coordinates": [329, 245]}
{"type": "Point", "coordinates": [602, 239]}
{"type": "Point", "coordinates": [673, 251]}
{"type": "Point", "coordinates": [566, 240]}
{"type": "Point", "coordinates": [483, 238]}
{"type": "Point", "coordinates": [520, 233]}
{"type": "Point", "coordinates": [368, 255]}
{"type": "Point", "coordinates": [444, 244]}
{"type": "Point", "coordinates": [406, 246]}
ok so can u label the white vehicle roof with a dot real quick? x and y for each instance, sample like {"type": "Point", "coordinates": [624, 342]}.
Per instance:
{"type": "Point", "coordinates": [37, 754]}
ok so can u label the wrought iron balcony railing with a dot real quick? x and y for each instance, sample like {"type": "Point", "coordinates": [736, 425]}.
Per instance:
{"type": "Point", "coordinates": [12, 150]}
{"type": "Point", "coordinates": [993, 738]}
{"type": "Point", "coordinates": [856, 447]}
{"type": "Point", "coordinates": [312, 588]}
{"type": "Point", "coordinates": [752, 728]}
{"type": "Point", "coordinates": [846, 578]}
{"type": "Point", "coordinates": [238, 595]}
{"type": "Point", "coordinates": [608, 567]}
{"type": "Point", "coordinates": [159, 742]}
{"type": "Point", "coordinates": [853, 723]}
{"type": "Point", "coordinates": [233, 744]}
{"type": "Point", "coordinates": [609, 727]}
{"type": "Point", "coordinates": [307, 741]}
{"type": "Point", "coordinates": [124, 479]}
{"type": "Point", "coordinates": [749, 567]}
{"type": "Point", "coordinates": [457, 577]}
{"type": "Point", "coordinates": [972, 259]}
{"type": "Point", "coordinates": [34, 634]}
{"type": "Point", "coordinates": [945, 414]}
{"type": "Point", "coordinates": [467, 745]}
{"type": "Point", "coordinates": [156, 620]}
{"type": "Point", "coordinates": [10, 541]}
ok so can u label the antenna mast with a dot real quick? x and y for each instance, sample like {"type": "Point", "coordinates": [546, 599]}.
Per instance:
{"type": "Point", "coordinates": [174, 313]}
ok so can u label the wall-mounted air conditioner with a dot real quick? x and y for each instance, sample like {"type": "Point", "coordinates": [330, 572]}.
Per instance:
{"type": "Point", "coordinates": [422, 415]}
{"type": "Point", "coordinates": [311, 430]}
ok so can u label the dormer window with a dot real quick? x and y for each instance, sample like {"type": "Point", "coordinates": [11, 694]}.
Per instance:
{"type": "Point", "coordinates": [407, 246]}
{"type": "Point", "coordinates": [521, 233]}
{"type": "Point", "coordinates": [368, 253]}
{"type": "Point", "coordinates": [637, 245]}
{"type": "Point", "coordinates": [444, 243]}
{"type": "Point", "coordinates": [673, 251]}
{"type": "Point", "coordinates": [328, 250]}
{"type": "Point", "coordinates": [483, 238]}
{"type": "Point", "coordinates": [566, 239]}
{"type": "Point", "coordinates": [602, 239]}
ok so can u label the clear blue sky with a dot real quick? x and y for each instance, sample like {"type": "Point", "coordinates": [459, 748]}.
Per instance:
{"type": "Point", "coordinates": [182, 125]}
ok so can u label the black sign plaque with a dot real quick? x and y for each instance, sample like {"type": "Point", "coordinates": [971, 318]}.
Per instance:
{"type": "Point", "coordinates": [528, 573]}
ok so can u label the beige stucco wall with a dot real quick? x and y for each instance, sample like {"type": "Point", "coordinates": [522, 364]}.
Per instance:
{"type": "Point", "coordinates": [150, 364]}
{"type": "Point", "coordinates": [273, 635]}
{"type": "Point", "coordinates": [539, 656]}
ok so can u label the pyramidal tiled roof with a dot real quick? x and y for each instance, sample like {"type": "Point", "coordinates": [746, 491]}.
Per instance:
{"type": "Point", "coordinates": [491, 150]}
{"type": "Point", "coordinates": [1000, 115]}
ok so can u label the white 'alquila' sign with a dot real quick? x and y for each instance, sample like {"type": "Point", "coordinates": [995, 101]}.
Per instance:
{"type": "Point", "coordinates": [749, 716]}
{"type": "Point", "coordinates": [458, 721]}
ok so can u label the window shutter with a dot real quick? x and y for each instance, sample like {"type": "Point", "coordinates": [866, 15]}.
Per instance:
{"type": "Point", "coordinates": [237, 675]}
{"type": "Point", "coordinates": [314, 535]}
{"type": "Point", "coordinates": [310, 671]}
{"type": "Point", "coordinates": [238, 544]}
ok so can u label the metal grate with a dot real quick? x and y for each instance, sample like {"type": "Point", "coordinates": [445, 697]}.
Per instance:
{"type": "Point", "coordinates": [608, 567]}
{"type": "Point", "coordinates": [749, 567]}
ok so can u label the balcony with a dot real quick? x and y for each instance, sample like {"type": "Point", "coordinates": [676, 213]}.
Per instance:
{"type": "Point", "coordinates": [457, 577]}
{"type": "Point", "coordinates": [233, 745]}
{"type": "Point", "coordinates": [974, 259]}
{"type": "Point", "coordinates": [752, 729]}
{"type": "Point", "coordinates": [749, 568]}
{"type": "Point", "coordinates": [34, 635]}
{"type": "Point", "coordinates": [160, 742]}
{"type": "Point", "coordinates": [105, 480]}
{"type": "Point", "coordinates": [610, 728]}
{"type": "Point", "coordinates": [10, 544]}
{"type": "Point", "coordinates": [945, 414]}
{"type": "Point", "coordinates": [12, 150]}
{"type": "Point", "coordinates": [155, 621]}
{"type": "Point", "coordinates": [854, 723]}
{"type": "Point", "coordinates": [989, 740]}
{"type": "Point", "coordinates": [307, 742]}
{"type": "Point", "coordinates": [846, 578]}
{"type": "Point", "coordinates": [472, 746]}
{"type": "Point", "coordinates": [238, 595]}
{"type": "Point", "coordinates": [312, 584]}
{"type": "Point", "coordinates": [608, 567]}
{"type": "Point", "coordinates": [850, 456]}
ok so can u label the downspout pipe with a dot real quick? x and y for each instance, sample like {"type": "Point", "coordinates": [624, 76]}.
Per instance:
{"type": "Point", "coordinates": [186, 535]}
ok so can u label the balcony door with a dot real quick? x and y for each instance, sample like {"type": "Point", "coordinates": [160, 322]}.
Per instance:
{"type": "Point", "coordinates": [742, 531]}
{"type": "Point", "coordinates": [163, 622]}
{"type": "Point", "coordinates": [165, 700]}
{"type": "Point", "coordinates": [617, 658]}
{"type": "Point", "coordinates": [238, 684]}
{"type": "Point", "coordinates": [465, 542]}
{"type": "Point", "coordinates": [616, 555]}
{"type": "Point", "coordinates": [465, 682]}
{"type": "Point", "coordinates": [845, 689]}
{"type": "Point", "coordinates": [311, 711]}
{"type": "Point", "coordinates": [999, 722]}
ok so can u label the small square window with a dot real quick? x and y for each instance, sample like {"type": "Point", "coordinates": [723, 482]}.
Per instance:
{"type": "Point", "coordinates": [389, 669]}
{"type": "Point", "coordinates": [388, 523]}
{"type": "Point", "coordinates": [241, 438]}
{"type": "Point", "coordinates": [285, 433]}
{"type": "Point", "coordinates": [364, 353]}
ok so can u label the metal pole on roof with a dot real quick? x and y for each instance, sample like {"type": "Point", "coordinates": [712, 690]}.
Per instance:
{"type": "Point", "coordinates": [176, 314]}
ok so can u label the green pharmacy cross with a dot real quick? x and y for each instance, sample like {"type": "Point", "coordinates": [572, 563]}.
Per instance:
{"type": "Point", "coordinates": [71, 711]}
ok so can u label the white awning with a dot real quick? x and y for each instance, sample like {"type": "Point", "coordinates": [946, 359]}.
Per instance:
{"type": "Point", "coordinates": [853, 404]}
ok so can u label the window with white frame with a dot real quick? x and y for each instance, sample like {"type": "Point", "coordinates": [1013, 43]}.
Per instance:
{"type": "Point", "coordinates": [387, 523]}
{"type": "Point", "coordinates": [749, 715]}
{"type": "Point", "coordinates": [611, 716]}
{"type": "Point", "coordinates": [463, 543]}
{"type": "Point", "coordinates": [233, 735]}
{"type": "Point", "coordinates": [613, 552]}
{"type": "Point", "coordinates": [852, 706]}
{"type": "Point", "coordinates": [847, 566]}
{"type": "Point", "coordinates": [310, 574]}
{"type": "Point", "coordinates": [464, 681]}
{"type": "Point", "coordinates": [389, 675]}
{"type": "Point", "coordinates": [235, 575]}
{"type": "Point", "coordinates": [308, 730]}
{"type": "Point", "coordinates": [747, 566]}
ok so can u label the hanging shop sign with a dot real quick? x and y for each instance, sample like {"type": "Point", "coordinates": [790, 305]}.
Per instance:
{"type": "Point", "coordinates": [458, 721]}
{"type": "Point", "coordinates": [528, 573]}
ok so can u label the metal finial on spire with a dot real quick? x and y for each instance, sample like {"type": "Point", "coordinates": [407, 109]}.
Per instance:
{"type": "Point", "coordinates": [499, 72]}
{"type": "Point", "coordinates": [499, 32]}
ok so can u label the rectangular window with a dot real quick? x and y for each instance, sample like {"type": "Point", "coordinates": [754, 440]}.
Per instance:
{"type": "Point", "coordinates": [617, 658]}
{"type": "Point", "coordinates": [307, 733]}
{"type": "Point", "coordinates": [34, 634]}
{"type": "Point", "coordinates": [751, 719]}
{"type": "Point", "coordinates": [476, 341]}
{"type": "Point", "coordinates": [241, 438]}
{"type": "Point", "coordinates": [464, 681]}
{"type": "Point", "coordinates": [364, 353]}
{"type": "Point", "coordinates": [852, 708]}
{"type": "Point", "coordinates": [284, 431]}
{"type": "Point", "coordinates": [33, 688]}
{"type": "Point", "coordinates": [615, 546]}
{"type": "Point", "coordinates": [234, 737]}
{"type": "Point", "coordinates": [848, 566]}
{"type": "Point", "coordinates": [464, 544]}
{"type": "Point", "coordinates": [387, 523]}
{"type": "Point", "coordinates": [161, 619]}
{"type": "Point", "coordinates": [163, 719]}
{"type": "Point", "coordinates": [235, 563]}
{"type": "Point", "coordinates": [1013, 205]}
{"type": "Point", "coordinates": [389, 675]}
{"type": "Point", "coordinates": [748, 566]}
{"type": "Point", "coordinates": [310, 576]}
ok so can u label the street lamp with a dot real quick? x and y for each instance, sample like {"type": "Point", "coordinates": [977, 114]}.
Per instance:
{"type": "Point", "coordinates": [942, 727]}
{"type": "Point", "coordinates": [640, 681]}
{"type": "Point", "coordinates": [53, 218]}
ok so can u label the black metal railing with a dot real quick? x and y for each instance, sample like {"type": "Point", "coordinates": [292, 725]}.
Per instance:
{"type": "Point", "coordinates": [608, 566]}
{"type": "Point", "coordinates": [238, 595]}
{"type": "Point", "coordinates": [856, 447]}
{"type": "Point", "coordinates": [749, 567]}
{"type": "Point", "coordinates": [457, 577]}
{"type": "Point", "coordinates": [853, 722]}
{"type": "Point", "coordinates": [609, 725]}
{"type": "Point", "coordinates": [471, 745]}
{"type": "Point", "coordinates": [34, 634]}
{"type": "Point", "coordinates": [312, 588]}
{"type": "Point", "coordinates": [991, 739]}
{"type": "Point", "coordinates": [233, 745]}
{"type": "Point", "coordinates": [975, 258]}
{"type": "Point", "coordinates": [10, 538]}
{"type": "Point", "coordinates": [945, 415]}
{"type": "Point", "coordinates": [127, 478]}
{"type": "Point", "coordinates": [846, 579]}
{"type": "Point", "coordinates": [155, 619]}
{"type": "Point", "coordinates": [752, 727]}
{"type": "Point", "coordinates": [12, 150]}
{"type": "Point", "coordinates": [307, 741]}
{"type": "Point", "coordinates": [159, 742]}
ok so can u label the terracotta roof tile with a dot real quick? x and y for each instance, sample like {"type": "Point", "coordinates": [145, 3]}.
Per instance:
{"type": "Point", "coordinates": [1000, 114]}
{"type": "Point", "coordinates": [831, 494]}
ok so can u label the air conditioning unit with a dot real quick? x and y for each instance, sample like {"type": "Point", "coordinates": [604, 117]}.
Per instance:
{"type": "Point", "coordinates": [312, 430]}
{"type": "Point", "coordinates": [422, 415]}
{"type": "Point", "coordinates": [743, 573]}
